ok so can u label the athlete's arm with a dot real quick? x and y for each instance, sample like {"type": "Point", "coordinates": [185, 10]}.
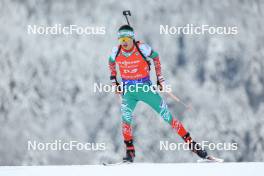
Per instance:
{"type": "Point", "coordinates": [150, 53]}
{"type": "Point", "coordinates": [112, 66]}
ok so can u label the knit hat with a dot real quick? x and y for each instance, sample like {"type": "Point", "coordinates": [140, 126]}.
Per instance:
{"type": "Point", "coordinates": [126, 31]}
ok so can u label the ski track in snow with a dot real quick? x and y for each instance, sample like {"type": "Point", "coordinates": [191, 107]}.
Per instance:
{"type": "Point", "coordinates": [137, 169]}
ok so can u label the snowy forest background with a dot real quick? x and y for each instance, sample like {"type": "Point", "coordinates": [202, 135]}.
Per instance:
{"type": "Point", "coordinates": [46, 81]}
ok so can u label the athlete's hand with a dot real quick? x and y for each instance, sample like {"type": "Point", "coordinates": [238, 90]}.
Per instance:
{"type": "Point", "coordinates": [161, 83]}
{"type": "Point", "coordinates": [117, 88]}
{"type": "Point", "coordinates": [116, 85]}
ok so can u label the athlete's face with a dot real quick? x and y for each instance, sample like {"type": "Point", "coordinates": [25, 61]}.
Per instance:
{"type": "Point", "coordinates": [126, 42]}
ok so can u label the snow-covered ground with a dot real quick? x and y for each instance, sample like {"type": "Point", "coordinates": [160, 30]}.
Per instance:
{"type": "Point", "coordinates": [194, 169]}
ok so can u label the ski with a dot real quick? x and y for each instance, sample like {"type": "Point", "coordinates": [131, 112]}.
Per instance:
{"type": "Point", "coordinates": [211, 159]}
{"type": "Point", "coordinates": [117, 163]}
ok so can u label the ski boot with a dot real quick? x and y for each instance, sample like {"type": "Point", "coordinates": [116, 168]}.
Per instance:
{"type": "Point", "coordinates": [196, 148]}
{"type": "Point", "coordinates": [130, 152]}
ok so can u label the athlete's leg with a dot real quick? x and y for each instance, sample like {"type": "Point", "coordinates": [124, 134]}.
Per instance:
{"type": "Point", "coordinates": [154, 100]}
{"type": "Point", "coordinates": [158, 104]}
{"type": "Point", "coordinates": [127, 107]}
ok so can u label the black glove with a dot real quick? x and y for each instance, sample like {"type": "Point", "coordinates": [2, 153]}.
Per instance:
{"type": "Point", "coordinates": [160, 80]}
{"type": "Point", "coordinates": [116, 84]}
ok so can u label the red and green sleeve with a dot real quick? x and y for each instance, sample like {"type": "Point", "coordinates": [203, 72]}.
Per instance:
{"type": "Point", "coordinates": [150, 53]}
{"type": "Point", "coordinates": [112, 65]}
